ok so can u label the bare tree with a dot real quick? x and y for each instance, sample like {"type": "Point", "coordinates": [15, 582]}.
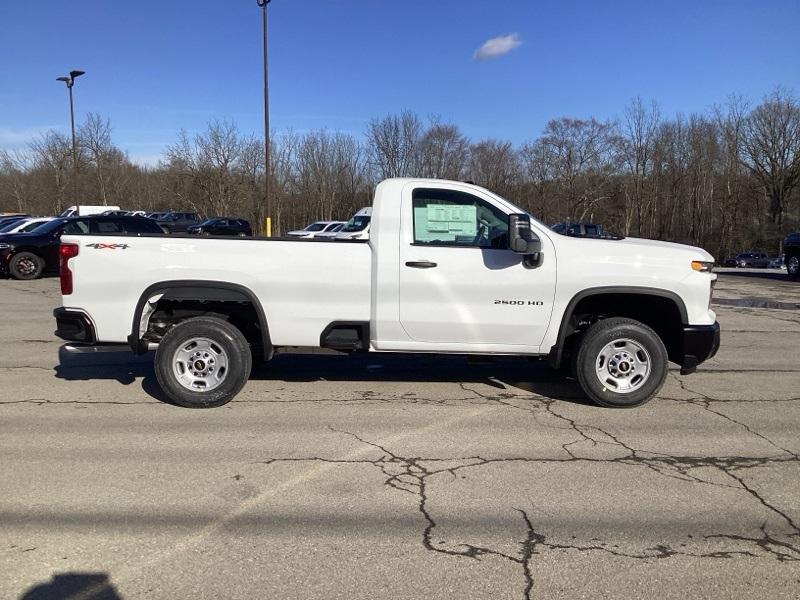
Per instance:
{"type": "Point", "coordinates": [581, 156]}
{"type": "Point", "coordinates": [52, 158]}
{"type": "Point", "coordinates": [14, 182]}
{"type": "Point", "coordinates": [394, 142]}
{"type": "Point", "coordinates": [637, 140]}
{"type": "Point", "coordinates": [732, 193]}
{"type": "Point", "coordinates": [494, 164]}
{"type": "Point", "coordinates": [770, 147]}
{"type": "Point", "coordinates": [726, 180]}
{"type": "Point", "coordinates": [443, 152]}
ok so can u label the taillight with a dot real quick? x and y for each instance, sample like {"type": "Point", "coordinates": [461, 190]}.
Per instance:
{"type": "Point", "coordinates": [65, 252]}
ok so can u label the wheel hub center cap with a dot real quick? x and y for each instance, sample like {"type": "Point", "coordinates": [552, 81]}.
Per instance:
{"type": "Point", "coordinates": [621, 365]}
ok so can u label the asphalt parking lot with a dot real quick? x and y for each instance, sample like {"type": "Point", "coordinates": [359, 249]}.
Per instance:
{"type": "Point", "coordinates": [398, 477]}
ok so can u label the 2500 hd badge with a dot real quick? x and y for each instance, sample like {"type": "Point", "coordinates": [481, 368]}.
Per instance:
{"type": "Point", "coordinates": [520, 302]}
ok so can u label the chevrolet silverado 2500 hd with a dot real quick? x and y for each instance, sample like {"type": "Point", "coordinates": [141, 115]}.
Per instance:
{"type": "Point", "coordinates": [448, 268]}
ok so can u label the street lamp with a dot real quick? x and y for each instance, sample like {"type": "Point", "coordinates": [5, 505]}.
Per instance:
{"type": "Point", "coordinates": [268, 219]}
{"type": "Point", "coordinates": [70, 81]}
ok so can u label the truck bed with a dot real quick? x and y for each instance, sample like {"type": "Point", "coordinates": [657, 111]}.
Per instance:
{"type": "Point", "coordinates": [328, 281]}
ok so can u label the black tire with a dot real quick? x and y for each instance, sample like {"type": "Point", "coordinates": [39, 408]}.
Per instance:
{"type": "Point", "coordinates": [588, 358]}
{"type": "Point", "coordinates": [227, 339]}
{"type": "Point", "coordinates": [26, 266]}
{"type": "Point", "coordinates": [793, 266]}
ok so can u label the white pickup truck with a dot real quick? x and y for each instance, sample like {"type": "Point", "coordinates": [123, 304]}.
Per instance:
{"type": "Point", "coordinates": [449, 268]}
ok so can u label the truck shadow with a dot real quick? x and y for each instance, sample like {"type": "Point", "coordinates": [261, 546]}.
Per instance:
{"type": "Point", "coordinates": [96, 586]}
{"type": "Point", "coordinates": [506, 374]}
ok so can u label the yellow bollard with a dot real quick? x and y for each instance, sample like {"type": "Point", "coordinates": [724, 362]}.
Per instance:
{"type": "Point", "coordinates": [268, 226]}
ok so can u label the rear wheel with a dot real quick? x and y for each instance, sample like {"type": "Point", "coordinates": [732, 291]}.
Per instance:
{"type": "Point", "coordinates": [26, 265]}
{"type": "Point", "coordinates": [793, 266]}
{"type": "Point", "coordinates": [621, 363]}
{"type": "Point", "coordinates": [203, 362]}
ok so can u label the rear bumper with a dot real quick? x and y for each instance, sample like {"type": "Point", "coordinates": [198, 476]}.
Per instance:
{"type": "Point", "coordinates": [700, 342]}
{"type": "Point", "coordinates": [74, 326]}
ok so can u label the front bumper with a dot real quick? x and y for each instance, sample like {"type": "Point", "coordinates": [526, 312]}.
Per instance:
{"type": "Point", "coordinates": [74, 326]}
{"type": "Point", "coordinates": [700, 342]}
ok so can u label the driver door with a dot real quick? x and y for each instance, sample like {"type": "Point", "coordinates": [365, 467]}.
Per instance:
{"type": "Point", "coordinates": [460, 285]}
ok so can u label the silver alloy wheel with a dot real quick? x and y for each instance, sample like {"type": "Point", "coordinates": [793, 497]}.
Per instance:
{"type": "Point", "coordinates": [26, 266]}
{"type": "Point", "coordinates": [793, 265]}
{"type": "Point", "coordinates": [200, 364]}
{"type": "Point", "coordinates": [623, 366]}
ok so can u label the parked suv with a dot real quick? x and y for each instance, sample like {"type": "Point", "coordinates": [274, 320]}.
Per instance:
{"type": "Point", "coordinates": [178, 222]}
{"type": "Point", "coordinates": [31, 255]}
{"type": "Point", "coordinates": [222, 226]}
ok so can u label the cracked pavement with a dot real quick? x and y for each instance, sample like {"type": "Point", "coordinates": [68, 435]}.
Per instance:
{"type": "Point", "coordinates": [403, 477]}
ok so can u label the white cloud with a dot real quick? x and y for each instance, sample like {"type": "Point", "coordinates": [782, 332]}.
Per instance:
{"type": "Point", "coordinates": [17, 138]}
{"type": "Point", "coordinates": [497, 46]}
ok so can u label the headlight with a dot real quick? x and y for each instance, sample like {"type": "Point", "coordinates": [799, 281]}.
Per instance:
{"type": "Point", "coordinates": [703, 267]}
{"type": "Point", "coordinates": [5, 246]}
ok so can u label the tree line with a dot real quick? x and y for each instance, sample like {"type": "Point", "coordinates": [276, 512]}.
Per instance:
{"type": "Point", "coordinates": [726, 180]}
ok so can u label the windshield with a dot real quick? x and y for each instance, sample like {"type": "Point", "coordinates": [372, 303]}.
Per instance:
{"type": "Point", "coordinates": [356, 224]}
{"type": "Point", "coordinates": [50, 226]}
{"type": "Point", "coordinates": [210, 222]}
{"type": "Point", "coordinates": [9, 226]}
{"type": "Point", "coordinates": [32, 226]}
{"type": "Point", "coordinates": [315, 227]}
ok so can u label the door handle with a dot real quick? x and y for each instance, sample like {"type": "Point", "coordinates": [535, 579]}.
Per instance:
{"type": "Point", "coordinates": [421, 264]}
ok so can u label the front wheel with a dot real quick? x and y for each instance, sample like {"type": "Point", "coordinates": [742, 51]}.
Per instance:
{"type": "Point", "coordinates": [621, 363]}
{"type": "Point", "coordinates": [203, 362]}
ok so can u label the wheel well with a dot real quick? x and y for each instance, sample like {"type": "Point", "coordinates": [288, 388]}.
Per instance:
{"type": "Point", "coordinates": [661, 313]}
{"type": "Point", "coordinates": [32, 250]}
{"type": "Point", "coordinates": [161, 308]}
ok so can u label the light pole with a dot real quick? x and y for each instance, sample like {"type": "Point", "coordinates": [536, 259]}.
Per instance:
{"type": "Point", "coordinates": [70, 81]}
{"type": "Point", "coordinates": [268, 217]}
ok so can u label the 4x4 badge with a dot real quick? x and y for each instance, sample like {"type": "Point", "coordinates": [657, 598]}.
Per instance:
{"type": "Point", "coordinates": [108, 246]}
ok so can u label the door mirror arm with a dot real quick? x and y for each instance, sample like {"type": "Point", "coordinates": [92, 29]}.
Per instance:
{"type": "Point", "coordinates": [522, 240]}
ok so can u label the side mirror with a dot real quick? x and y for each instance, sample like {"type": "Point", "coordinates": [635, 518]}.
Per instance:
{"type": "Point", "coordinates": [520, 237]}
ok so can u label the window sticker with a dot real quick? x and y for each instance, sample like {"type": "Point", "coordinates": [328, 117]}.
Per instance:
{"type": "Point", "coordinates": [445, 222]}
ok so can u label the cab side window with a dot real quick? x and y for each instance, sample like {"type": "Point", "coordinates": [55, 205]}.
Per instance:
{"type": "Point", "coordinates": [74, 227]}
{"type": "Point", "coordinates": [452, 218]}
{"type": "Point", "coordinates": [101, 226]}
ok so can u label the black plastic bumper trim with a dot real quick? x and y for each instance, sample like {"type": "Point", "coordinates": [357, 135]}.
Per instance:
{"type": "Point", "coordinates": [700, 342]}
{"type": "Point", "coordinates": [74, 326]}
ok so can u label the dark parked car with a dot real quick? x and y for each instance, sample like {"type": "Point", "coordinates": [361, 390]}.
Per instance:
{"type": "Point", "coordinates": [791, 251]}
{"type": "Point", "coordinates": [586, 230]}
{"type": "Point", "coordinates": [729, 262]}
{"type": "Point", "coordinates": [752, 259]}
{"type": "Point", "coordinates": [178, 222]}
{"type": "Point", "coordinates": [31, 255]}
{"type": "Point", "coordinates": [222, 226]}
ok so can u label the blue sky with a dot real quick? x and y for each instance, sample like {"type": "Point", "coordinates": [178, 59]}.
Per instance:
{"type": "Point", "coordinates": [154, 67]}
